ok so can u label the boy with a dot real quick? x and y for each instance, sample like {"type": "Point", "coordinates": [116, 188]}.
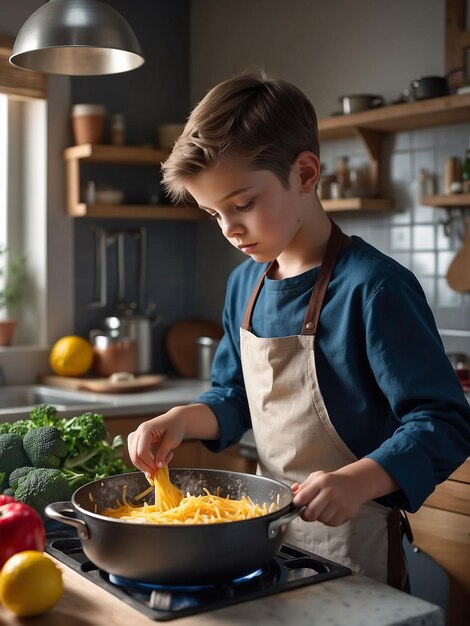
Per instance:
{"type": "Point", "coordinates": [330, 350]}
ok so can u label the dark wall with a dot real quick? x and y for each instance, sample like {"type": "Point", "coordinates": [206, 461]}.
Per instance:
{"type": "Point", "coordinates": [156, 93]}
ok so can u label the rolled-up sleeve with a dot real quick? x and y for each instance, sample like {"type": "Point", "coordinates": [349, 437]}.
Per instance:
{"type": "Point", "coordinates": [410, 365]}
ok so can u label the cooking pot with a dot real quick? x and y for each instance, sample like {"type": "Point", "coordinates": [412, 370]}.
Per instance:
{"type": "Point", "coordinates": [432, 86]}
{"type": "Point", "coordinates": [429, 87]}
{"type": "Point", "coordinates": [139, 328]}
{"type": "Point", "coordinates": [113, 354]}
{"type": "Point", "coordinates": [178, 554]}
{"type": "Point", "coordinates": [360, 102]}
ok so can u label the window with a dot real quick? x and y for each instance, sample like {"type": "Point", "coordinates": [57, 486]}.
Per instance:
{"type": "Point", "coordinates": [23, 158]}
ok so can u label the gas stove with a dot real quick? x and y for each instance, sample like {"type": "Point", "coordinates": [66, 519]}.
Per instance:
{"type": "Point", "coordinates": [291, 568]}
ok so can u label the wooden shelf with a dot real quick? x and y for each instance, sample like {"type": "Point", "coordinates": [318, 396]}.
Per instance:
{"type": "Point", "coordinates": [137, 211]}
{"type": "Point", "coordinates": [127, 155]}
{"type": "Point", "coordinates": [119, 155]}
{"type": "Point", "coordinates": [357, 204]}
{"type": "Point", "coordinates": [442, 111]}
{"type": "Point", "coordinates": [447, 201]}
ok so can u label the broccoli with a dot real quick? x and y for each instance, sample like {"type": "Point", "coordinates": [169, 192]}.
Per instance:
{"type": "Point", "coordinates": [12, 454]}
{"type": "Point", "coordinates": [20, 427]}
{"type": "Point", "coordinates": [44, 447]}
{"type": "Point", "coordinates": [40, 415]}
{"type": "Point", "coordinates": [5, 428]}
{"type": "Point", "coordinates": [17, 474]}
{"type": "Point", "coordinates": [42, 486]}
{"type": "Point", "coordinates": [43, 415]}
{"type": "Point", "coordinates": [8, 492]}
{"type": "Point", "coordinates": [84, 430]}
{"type": "Point", "coordinates": [100, 461]}
{"type": "Point", "coordinates": [3, 480]}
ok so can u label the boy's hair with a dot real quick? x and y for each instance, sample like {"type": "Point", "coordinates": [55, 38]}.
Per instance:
{"type": "Point", "coordinates": [266, 122]}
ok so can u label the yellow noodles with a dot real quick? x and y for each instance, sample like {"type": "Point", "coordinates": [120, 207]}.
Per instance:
{"type": "Point", "coordinates": [171, 507]}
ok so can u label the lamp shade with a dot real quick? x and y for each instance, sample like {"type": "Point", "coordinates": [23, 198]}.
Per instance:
{"type": "Point", "coordinates": [77, 38]}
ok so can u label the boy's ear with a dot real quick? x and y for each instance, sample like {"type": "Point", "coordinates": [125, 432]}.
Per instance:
{"type": "Point", "coordinates": [307, 170]}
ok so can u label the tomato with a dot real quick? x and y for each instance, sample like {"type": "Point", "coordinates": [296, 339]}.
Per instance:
{"type": "Point", "coordinates": [21, 528]}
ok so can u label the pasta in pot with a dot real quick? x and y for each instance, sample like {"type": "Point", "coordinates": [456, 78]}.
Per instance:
{"type": "Point", "coordinates": [172, 507]}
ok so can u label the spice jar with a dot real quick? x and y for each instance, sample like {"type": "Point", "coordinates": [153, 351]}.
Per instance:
{"type": "Point", "coordinates": [342, 173]}
{"type": "Point", "coordinates": [452, 173]}
{"type": "Point", "coordinates": [117, 135]}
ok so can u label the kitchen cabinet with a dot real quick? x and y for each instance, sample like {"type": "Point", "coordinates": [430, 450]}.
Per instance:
{"type": "Point", "coordinates": [441, 528]}
{"type": "Point", "coordinates": [189, 453]}
{"type": "Point", "coordinates": [370, 126]}
{"type": "Point", "coordinates": [122, 156]}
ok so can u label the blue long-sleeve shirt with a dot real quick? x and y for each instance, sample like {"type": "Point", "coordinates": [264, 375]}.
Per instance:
{"type": "Point", "coordinates": [388, 386]}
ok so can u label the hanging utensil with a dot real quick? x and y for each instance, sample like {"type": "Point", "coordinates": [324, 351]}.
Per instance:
{"type": "Point", "coordinates": [458, 274]}
{"type": "Point", "coordinates": [101, 283]}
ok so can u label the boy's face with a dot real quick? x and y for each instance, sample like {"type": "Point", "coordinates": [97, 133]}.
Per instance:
{"type": "Point", "coordinates": [254, 210]}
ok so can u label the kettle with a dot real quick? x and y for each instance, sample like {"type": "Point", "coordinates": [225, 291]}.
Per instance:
{"type": "Point", "coordinates": [137, 327]}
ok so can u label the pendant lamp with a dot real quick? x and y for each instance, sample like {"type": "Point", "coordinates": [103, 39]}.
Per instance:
{"type": "Point", "coordinates": [77, 38]}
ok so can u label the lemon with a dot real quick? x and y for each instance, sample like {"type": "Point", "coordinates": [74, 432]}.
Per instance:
{"type": "Point", "coordinates": [30, 583]}
{"type": "Point", "coordinates": [71, 356]}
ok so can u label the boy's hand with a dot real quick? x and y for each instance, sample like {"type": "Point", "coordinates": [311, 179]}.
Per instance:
{"type": "Point", "coordinates": [152, 444]}
{"type": "Point", "coordinates": [335, 497]}
{"type": "Point", "coordinates": [329, 498]}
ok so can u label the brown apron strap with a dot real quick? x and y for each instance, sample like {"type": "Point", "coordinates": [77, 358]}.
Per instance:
{"type": "Point", "coordinates": [337, 241]}
{"type": "Point", "coordinates": [397, 570]}
{"type": "Point", "coordinates": [246, 323]}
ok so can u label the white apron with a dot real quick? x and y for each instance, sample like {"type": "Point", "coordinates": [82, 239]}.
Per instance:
{"type": "Point", "coordinates": [294, 435]}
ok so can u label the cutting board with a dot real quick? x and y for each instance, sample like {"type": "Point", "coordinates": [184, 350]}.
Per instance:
{"type": "Point", "coordinates": [181, 346]}
{"type": "Point", "coordinates": [104, 385]}
{"type": "Point", "coordinates": [458, 274]}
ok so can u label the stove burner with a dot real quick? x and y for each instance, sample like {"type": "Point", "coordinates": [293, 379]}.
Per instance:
{"type": "Point", "coordinates": [128, 583]}
{"type": "Point", "coordinates": [291, 568]}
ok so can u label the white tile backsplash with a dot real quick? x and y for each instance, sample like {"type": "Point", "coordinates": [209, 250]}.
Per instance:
{"type": "Point", "coordinates": [400, 238]}
{"type": "Point", "coordinates": [423, 138]}
{"type": "Point", "coordinates": [424, 238]}
{"type": "Point", "coordinates": [423, 263]}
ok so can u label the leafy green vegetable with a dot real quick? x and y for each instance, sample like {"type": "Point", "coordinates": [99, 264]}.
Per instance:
{"type": "Point", "coordinates": [3, 480]}
{"type": "Point", "coordinates": [45, 447]}
{"type": "Point", "coordinates": [41, 415]}
{"type": "Point", "coordinates": [89, 452]}
{"type": "Point", "coordinates": [84, 430]}
{"type": "Point", "coordinates": [17, 474]}
{"type": "Point", "coordinates": [44, 415]}
{"type": "Point", "coordinates": [12, 454]}
{"type": "Point", "coordinates": [42, 486]}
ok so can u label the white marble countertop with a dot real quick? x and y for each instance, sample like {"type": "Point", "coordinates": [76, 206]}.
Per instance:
{"type": "Point", "coordinates": [169, 393]}
{"type": "Point", "coordinates": [350, 601]}
{"type": "Point", "coordinates": [354, 600]}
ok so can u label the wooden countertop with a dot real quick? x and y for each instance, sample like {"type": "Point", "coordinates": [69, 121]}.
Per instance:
{"type": "Point", "coordinates": [353, 601]}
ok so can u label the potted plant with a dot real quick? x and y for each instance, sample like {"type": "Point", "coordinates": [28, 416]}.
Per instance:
{"type": "Point", "coordinates": [12, 278]}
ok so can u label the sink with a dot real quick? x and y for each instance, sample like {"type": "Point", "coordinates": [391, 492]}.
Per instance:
{"type": "Point", "coordinates": [24, 397]}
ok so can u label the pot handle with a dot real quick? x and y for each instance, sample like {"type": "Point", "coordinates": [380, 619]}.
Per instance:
{"type": "Point", "coordinates": [281, 522]}
{"type": "Point", "coordinates": [55, 510]}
